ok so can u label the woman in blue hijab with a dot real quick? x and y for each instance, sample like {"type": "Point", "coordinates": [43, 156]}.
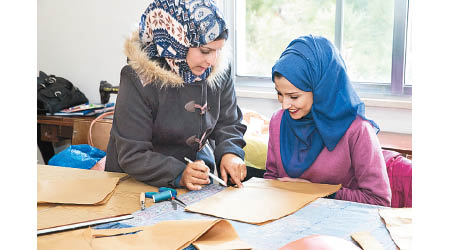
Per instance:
{"type": "Point", "coordinates": [321, 134]}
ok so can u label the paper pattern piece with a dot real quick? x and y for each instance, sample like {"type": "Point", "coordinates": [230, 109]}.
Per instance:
{"type": "Point", "coordinates": [261, 200]}
{"type": "Point", "coordinates": [367, 241]}
{"type": "Point", "coordinates": [70, 240]}
{"type": "Point", "coordinates": [92, 191]}
{"type": "Point", "coordinates": [179, 234]}
{"type": "Point", "coordinates": [399, 224]}
{"type": "Point", "coordinates": [124, 200]}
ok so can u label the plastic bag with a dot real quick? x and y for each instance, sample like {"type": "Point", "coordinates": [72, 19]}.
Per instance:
{"type": "Point", "coordinates": [77, 156]}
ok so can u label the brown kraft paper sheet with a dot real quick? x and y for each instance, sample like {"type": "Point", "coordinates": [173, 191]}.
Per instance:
{"type": "Point", "coordinates": [261, 200]}
{"type": "Point", "coordinates": [366, 241]}
{"type": "Point", "coordinates": [179, 234]}
{"type": "Point", "coordinates": [69, 240]}
{"type": "Point", "coordinates": [124, 200]}
{"type": "Point", "coordinates": [399, 224]}
{"type": "Point", "coordinates": [92, 191]}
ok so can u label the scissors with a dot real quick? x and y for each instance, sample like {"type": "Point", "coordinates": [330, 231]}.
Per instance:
{"type": "Point", "coordinates": [166, 194]}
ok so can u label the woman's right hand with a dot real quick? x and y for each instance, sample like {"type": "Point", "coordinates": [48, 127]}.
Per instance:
{"type": "Point", "coordinates": [195, 175]}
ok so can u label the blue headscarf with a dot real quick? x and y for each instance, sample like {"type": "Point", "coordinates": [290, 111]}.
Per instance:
{"type": "Point", "coordinates": [314, 65]}
{"type": "Point", "coordinates": [168, 28]}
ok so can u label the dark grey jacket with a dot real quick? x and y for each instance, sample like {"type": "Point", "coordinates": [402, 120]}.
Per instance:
{"type": "Point", "coordinates": [159, 119]}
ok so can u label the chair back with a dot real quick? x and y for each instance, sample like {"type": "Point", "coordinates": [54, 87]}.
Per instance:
{"type": "Point", "coordinates": [399, 170]}
{"type": "Point", "coordinates": [92, 132]}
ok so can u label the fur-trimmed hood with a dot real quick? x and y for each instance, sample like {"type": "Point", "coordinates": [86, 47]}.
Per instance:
{"type": "Point", "coordinates": [149, 71]}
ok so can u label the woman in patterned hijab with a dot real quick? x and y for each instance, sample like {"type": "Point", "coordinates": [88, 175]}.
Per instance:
{"type": "Point", "coordinates": [177, 100]}
{"type": "Point", "coordinates": [167, 30]}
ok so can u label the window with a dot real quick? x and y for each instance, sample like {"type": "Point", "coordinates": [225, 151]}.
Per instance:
{"type": "Point", "coordinates": [267, 27]}
{"type": "Point", "coordinates": [367, 40]}
{"type": "Point", "coordinates": [409, 54]}
{"type": "Point", "coordinates": [371, 35]}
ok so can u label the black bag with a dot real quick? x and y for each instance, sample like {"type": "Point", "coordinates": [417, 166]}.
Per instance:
{"type": "Point", "coordinates": [56, 93]}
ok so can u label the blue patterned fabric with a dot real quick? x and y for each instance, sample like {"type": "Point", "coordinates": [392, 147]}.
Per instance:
{"type": "Point", "coordinates": [312, 63]}
{"type": "Point", "coordinates": [168, 28]}
{"type": "Point", "coordinates": [323, 216]}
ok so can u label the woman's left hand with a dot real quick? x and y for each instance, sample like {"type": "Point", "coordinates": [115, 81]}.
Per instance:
{"type": "Point", "coordinates": [289, 179]}
{"type": "Point", "coordinates": [233, 166]}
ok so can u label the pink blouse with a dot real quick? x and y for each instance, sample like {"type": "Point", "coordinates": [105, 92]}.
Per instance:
{"type": "Point", "coordinates": [356, 162]}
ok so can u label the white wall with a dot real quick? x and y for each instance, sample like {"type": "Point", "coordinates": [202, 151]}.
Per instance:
{"type": "Point", "coordinates": [83, 40]}
{"type": "Point", "coordinates": [389, 119]}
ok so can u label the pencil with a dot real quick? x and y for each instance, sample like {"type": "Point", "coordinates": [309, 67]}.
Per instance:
{"type": "Point", "coordinates": [210, 174]}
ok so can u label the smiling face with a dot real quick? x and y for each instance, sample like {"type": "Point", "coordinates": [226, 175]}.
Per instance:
{"type": "Point", "coordinates": [201, 58]}
{"type": "Point", "coordinates": [297, 101]}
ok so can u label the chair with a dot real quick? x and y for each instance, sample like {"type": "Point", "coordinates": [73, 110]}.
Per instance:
{"type": "Point", "coordinates": [100, 132]}
{"type": "Point", "coordinates": [94, 133]}
{"type": "Point", "coordinates": [399, 170]}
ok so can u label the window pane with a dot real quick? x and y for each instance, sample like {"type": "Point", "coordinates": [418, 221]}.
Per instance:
{"type": "Point", "coordinates": [265, 28]}
{"type": "Point", "coordinates": [409, 52]}
{"type": "Point", "coordinates": [367, 43]}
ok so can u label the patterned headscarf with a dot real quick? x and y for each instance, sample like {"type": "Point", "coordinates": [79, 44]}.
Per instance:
{"type": "Point", "coordinates": [312, 63]}
{"type": "Point", "coordinates": [168, 28]}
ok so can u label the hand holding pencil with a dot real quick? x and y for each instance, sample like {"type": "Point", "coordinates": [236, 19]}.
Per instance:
{"type": "Point", "coordinates": [195, 175]}
{"type": "Point", "coordinates": [210, 174]}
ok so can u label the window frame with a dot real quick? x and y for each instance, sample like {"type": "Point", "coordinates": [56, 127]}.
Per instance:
{"type": "Point", "coordinates": [396, 90]}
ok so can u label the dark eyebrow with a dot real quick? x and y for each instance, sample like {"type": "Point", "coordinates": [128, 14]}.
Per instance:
{"type": "Point", "coordinates": [292, 93]}
{"type": "Point", "coordinates": [207, 48]}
